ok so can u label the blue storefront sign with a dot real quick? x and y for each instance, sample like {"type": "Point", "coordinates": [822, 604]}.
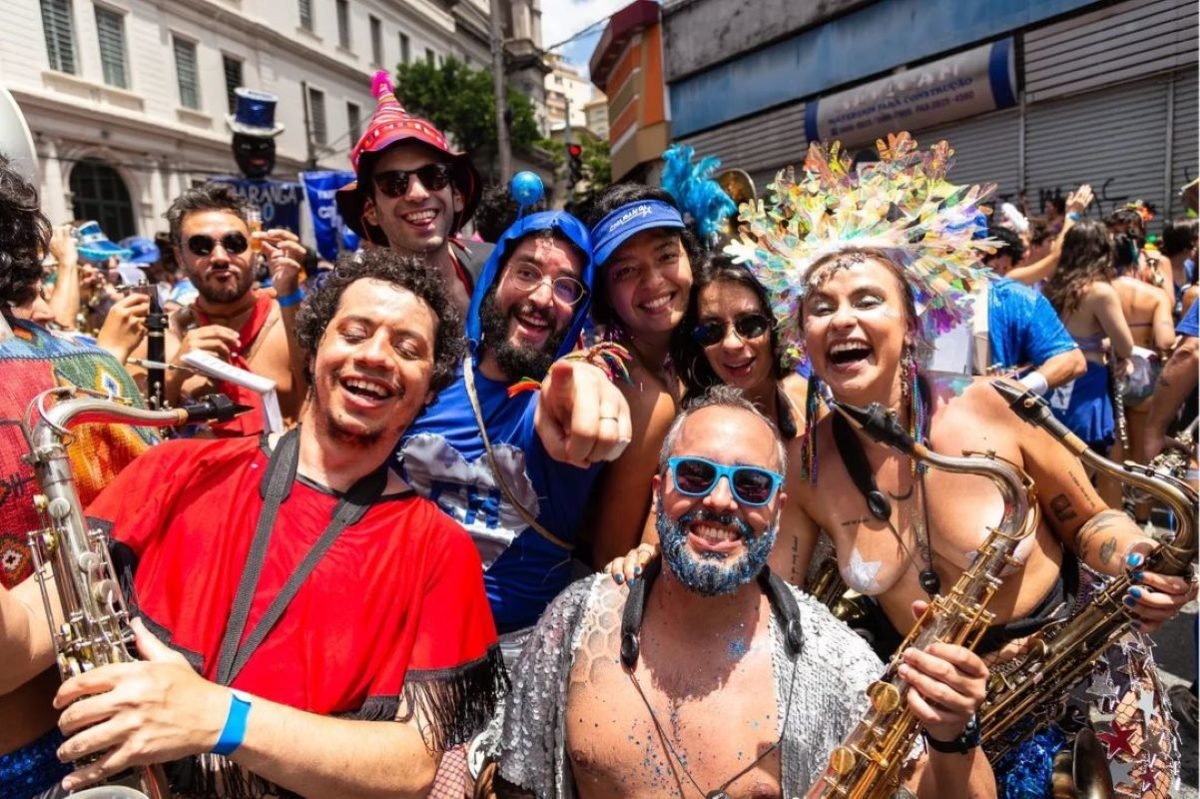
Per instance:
{"type": "Point", "coordinates": [964, 85]}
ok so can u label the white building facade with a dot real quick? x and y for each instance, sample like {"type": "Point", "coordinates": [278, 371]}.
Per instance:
{"type": "Point", "coordinates": [127, 99]}
{"type": "Point", "coordinates": [566, 88]}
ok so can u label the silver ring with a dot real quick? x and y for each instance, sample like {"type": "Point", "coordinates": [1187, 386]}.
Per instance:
{"type": "Point", "coordinates": [612, 418]}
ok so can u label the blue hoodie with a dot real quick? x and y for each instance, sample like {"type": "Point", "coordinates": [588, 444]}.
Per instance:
{"type": "Point", "coordinates": [442, 457]}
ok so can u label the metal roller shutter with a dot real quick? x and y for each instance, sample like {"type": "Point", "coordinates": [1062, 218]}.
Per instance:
{"type": "Point", "coordinates": [1185, 153]}
{"type": "Point", "coordinates": [1121, 42]}
{"type": "Point", "coordinates": [759, 144]}
{"type": "Point", "coordinates": [986, 150]}
{"type": "Point", "coordinates": [1113, 139]}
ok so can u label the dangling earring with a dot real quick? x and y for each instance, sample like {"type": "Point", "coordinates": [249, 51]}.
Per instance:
{"type": "Point", "coordinates": [808, 447]}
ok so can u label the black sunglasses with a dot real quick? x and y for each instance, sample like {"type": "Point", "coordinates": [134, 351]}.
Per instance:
{"type": "Point", "coordinates": [394, 182]}
{"type": "Point", "coordinates": [747, 327]}
{"type": "Point", "coordinates": [203, 244]}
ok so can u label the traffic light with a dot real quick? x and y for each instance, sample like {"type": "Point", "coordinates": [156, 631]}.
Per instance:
{"type": "Point", "coordinates": [574, 163]}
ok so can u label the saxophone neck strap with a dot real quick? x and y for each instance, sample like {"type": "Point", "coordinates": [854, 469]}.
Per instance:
{"type": "Point", "coordinates": [275, 488]}
{"type": "Point", "coordinates": [779, 596]}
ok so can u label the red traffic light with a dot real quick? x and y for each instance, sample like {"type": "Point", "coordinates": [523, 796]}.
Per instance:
{"type": "Point", "coordinates": [574, 150]}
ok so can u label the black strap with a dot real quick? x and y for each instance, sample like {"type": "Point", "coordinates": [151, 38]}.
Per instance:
{"type": "Point", "coordinates": [779, 596]}
{"type": "Point", "coordinates": [275, 487]}
{"type": "Point", "coordinates": [855, 459]}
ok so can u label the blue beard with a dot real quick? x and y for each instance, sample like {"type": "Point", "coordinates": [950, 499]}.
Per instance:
{"type": "Point", "coordinates": [712, 573]}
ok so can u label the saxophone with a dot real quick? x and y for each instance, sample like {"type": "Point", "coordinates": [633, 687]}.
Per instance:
{"type": "Point", "coordinates": [1032, 694]}
{"type": "Point", "coordinates": [94, 629]}
{"type": "Point", "coordinates": [867, 764]}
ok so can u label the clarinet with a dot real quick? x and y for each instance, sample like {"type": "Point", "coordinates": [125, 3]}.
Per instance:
{"type": "Point", "coordinates": [867, 764]}
{"type": "Point", "coordinates": [156, 352]}
{"type": "Point", "coordinates": [95, 620]}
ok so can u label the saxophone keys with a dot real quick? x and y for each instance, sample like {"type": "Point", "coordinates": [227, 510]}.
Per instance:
{"type": "Point", "coordinates": [842, 760]}
{"type": "Point", "coordinates": [884, 696]}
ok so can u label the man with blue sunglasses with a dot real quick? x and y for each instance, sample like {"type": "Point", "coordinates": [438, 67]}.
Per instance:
{"type": "Point", "coordinates": [708, 675]}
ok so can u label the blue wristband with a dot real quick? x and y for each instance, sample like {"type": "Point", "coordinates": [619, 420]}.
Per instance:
{"type": "Point", "coordinates": [234, 731]}
{"type": "Point", "coordinates": [292, 299]}
{"type": "Point", "coordinates": [1074, 216]}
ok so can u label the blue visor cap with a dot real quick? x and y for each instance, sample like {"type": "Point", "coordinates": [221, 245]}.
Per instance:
{"type": "Point", "coordinates": [626, 222]}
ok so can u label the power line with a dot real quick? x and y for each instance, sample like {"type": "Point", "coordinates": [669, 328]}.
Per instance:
{"type": "Point", "coordinates": [578, 35]}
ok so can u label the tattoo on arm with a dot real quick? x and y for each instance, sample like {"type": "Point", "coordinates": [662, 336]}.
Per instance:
{"type": "Point", "coordinates": [1107, 549]}
{"type": "Point", "coordinates": [1106, 521]}
{"type": "Point", "coordinates": [855, 522]}
{"type": "Point", "coordinates": [1062, 508]}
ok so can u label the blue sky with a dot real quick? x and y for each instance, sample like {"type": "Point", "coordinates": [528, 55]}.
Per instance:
{"type": "Point", "coordinates": [563, 18]}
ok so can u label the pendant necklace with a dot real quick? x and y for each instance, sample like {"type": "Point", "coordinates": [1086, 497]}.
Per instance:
{"type": "Point", "coordinates": [784, 606]}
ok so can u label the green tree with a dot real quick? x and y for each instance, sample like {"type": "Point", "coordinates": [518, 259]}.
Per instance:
{"type": "Point", "coordinates": [460, 102]}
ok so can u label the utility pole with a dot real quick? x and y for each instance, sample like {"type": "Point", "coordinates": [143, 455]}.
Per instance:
{"type": "Point", "coordinates": [567, 149]}
{"type": "Point", "coordinates": [504, 149]}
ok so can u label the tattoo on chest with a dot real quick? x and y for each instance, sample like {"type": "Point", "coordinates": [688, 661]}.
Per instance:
{"type": "Point", "coordinates": [1062, 508]}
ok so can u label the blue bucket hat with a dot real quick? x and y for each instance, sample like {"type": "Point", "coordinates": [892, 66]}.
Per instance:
{"type": "Point", "coordinates": [95, 246]}
{"type": "Point", "coordinates": [143, 250]}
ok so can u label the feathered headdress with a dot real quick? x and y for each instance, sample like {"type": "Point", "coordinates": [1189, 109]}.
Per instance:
{"type": "Point", "coordinates": [697, 194]}
{"type": "Point", "coordinates": [901, 205]}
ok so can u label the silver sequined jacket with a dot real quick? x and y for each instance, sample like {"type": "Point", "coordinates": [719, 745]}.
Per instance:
{"type": "Point", "coordinates": [832, 672]}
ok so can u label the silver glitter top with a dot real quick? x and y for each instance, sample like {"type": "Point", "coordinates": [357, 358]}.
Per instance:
{"type": "Point", "coordinates": [832, 672]}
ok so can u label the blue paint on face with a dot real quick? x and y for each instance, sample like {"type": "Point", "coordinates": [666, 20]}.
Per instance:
{"type": "Point", "coordinates": [712, 573]}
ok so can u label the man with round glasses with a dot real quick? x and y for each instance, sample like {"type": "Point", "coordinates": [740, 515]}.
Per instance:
{"type": "Point", "coordinates": [708, 675]}
{"type": "Point", "coordinates": [413, 192]}
{"type": "Point", "coordinates": [229, 319]}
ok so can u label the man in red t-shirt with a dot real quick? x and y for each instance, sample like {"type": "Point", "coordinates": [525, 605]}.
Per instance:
{"type": "Point", "coordinates": [300, 610]}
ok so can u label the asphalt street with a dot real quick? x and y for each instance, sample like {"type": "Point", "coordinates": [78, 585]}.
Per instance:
{"type": "Point", "coordinates": [1175, 649]}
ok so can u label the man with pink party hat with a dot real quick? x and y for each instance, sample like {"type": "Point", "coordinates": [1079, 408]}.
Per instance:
{"type": "Point", "coordinates": [413, 192]}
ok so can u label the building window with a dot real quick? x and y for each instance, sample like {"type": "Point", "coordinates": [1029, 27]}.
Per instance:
{"type": "Point", "coordinates": [343, 17]}
{"type": "Point", "coordinates": [233, 79]}
{"type": "Point", "coordinates": [430, 58]}
{"type": "Point", "coordinates": [354, 122]}
{"type": "Point", "coordinates": [185, 71]}
{"type": "Point", "coordinates": [405, 53]}
{"type": "Point", "coordinates": [316, 114]}
{"type": "Point", "coordinates": [306, 18]}
{"type": "Point", "coordinates": [376, 41]}
{"type": "Point", "coordinates": [60, 34]}
{"type": "Point", "coordinates": [110, 31]}
{"type": "Point", "coordinates": [99, 193]}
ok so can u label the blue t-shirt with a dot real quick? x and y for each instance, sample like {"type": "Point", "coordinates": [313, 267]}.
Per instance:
{"type": "Point", "coordinates": [442, 456]}
{"type": "Point", "coordinates": [1189, 325]}
{"type": "Point", "coordinates": [1023, 329]}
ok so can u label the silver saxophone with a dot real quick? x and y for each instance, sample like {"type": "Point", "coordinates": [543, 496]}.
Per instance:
{"type": "Point", "coordinates": [94, 627]}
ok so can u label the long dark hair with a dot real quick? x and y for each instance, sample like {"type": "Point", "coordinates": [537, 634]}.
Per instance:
{"type": "Point", "coordinates": [1087, 256]}
{"type": "Point", "coordinates": [691, 363]}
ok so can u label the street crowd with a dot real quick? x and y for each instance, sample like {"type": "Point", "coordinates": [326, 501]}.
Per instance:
{"type": "Point", "coordinates": [557, 513]}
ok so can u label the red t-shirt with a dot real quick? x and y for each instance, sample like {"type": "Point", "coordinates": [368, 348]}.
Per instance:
{"type": "Point", "coordinates": [398, 598]}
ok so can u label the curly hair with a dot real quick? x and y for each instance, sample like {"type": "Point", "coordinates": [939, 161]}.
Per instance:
{"type": "Point", "coordinates": [497, 211]}
{"type": "Point", "coordinates": [209, 197]}
{"type": "Point", "coordinates": [698, 376]}
{"type": "Point", "coordinates": [610, 200]}
{"type": "Point", "coordinates": [1087, 256]}
{"type": "Point", "coordinates": [403, 271]}
{"type": "Point", "coordinates": [24, 236]}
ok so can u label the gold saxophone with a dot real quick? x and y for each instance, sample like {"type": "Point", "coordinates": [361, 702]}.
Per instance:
{"type": "Point", "coordinates": [867, 764]}
{"type": "Point", "coordinates": [94, 629]}
{"type": "Point", "coordinates": [1032, 693]}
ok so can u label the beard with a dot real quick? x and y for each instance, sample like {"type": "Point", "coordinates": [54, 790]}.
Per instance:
{"type": "Point", "coordinates": [516, 361]}
{"type": "Point", "coordinates": [712, 573]}
{"type": "Point", "coordinates": [222, 293]}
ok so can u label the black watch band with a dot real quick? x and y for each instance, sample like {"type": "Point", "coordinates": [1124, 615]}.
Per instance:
{"type": "Point", "coordinates": [968, 740]}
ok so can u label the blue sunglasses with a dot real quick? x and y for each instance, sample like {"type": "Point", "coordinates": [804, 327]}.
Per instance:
{"type": "Point", "coordinates": [697, 477]}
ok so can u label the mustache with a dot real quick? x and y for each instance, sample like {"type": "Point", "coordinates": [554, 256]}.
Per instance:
{"type": "Point", "coordinates": [529, 309]}
{"type": "Point", "coordinates": [725, 519]}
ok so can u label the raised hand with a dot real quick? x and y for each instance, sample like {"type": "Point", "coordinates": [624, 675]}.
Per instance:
{"type": "Point", "coordinates": [581, 417]}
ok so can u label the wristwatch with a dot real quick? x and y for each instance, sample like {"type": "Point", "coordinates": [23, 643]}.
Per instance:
{"type": "Point", "coordinates": [968, 740]}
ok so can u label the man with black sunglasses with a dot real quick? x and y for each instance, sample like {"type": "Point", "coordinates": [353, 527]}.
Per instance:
{"type": "Point", "coordinates": [709, 675]}
{"type": "Point", "coordinates": [229, 319]}
{"type": "Point", "coordinates": [414, 193]}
